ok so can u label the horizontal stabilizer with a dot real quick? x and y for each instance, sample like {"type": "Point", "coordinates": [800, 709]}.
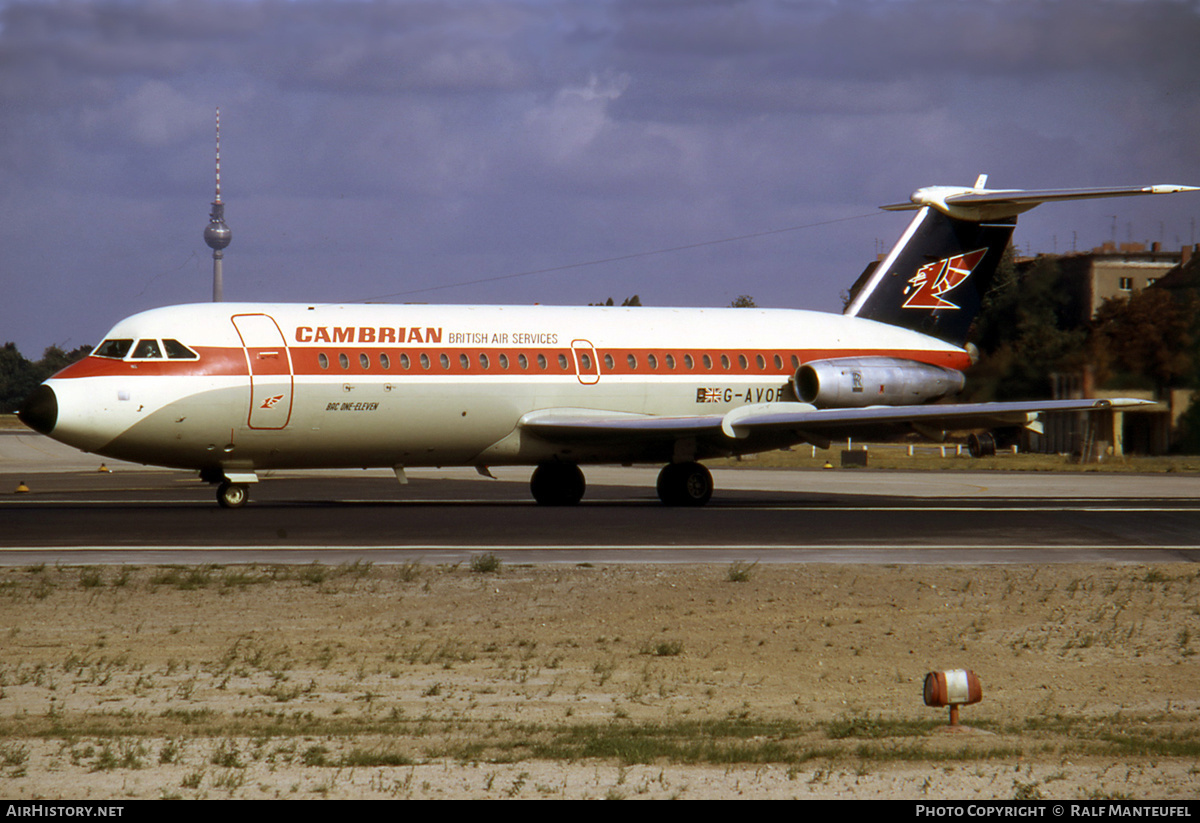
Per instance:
{"type": "Point", "coordinates": [997, 204]}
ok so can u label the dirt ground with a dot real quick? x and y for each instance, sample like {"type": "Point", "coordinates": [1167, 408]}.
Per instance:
{"type": "Point", "coordinates": [613, 681]}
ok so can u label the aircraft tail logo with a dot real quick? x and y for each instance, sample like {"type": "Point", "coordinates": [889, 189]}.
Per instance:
{"type": "Point", "coordinates": [926, 287]}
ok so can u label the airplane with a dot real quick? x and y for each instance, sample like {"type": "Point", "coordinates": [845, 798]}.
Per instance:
{"type": "Point", "coordinates": [235, 389]}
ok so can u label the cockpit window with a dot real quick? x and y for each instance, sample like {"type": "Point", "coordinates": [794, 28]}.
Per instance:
{"type": "Point", "coordinates": [147, 348]}
{"type": "Point", "coordinates": [178, 351]}
{"type": "Point", "coordinates": [113, 348]}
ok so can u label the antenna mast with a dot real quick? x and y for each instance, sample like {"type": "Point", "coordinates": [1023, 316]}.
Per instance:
{"type": "Point", "coordinates": [216, 234]}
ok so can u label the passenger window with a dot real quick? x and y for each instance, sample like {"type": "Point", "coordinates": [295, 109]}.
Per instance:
{"type": "Point", "coordinates": [444, 359]}
{"type": "Point", "coordinates": [113, 348]}
{"type": "Point", "coordinates": [632, 361]}
{"type": "Point", "coordinates": [522, 361]}
{"type": "Point", "coordinates": [708, 362]}
{"type": "Point", "coordinates": [585, 362]}
{"type": "Point", "coordinates": [464, 361]}
{"type": "Point", "coordinates": [178, 351]}
{"type": "Point", "coordinates": [652, 360]}
{"type": "Point", "coordinates": [671, 361]}
{"type": "Point", "coordinates": [503, 361]}
{"type": "Point", "coordinates": [778, 363]}
{"type": "Point", "coordinates": [725, 361]}
{"type": "Point", "coordinates": [795, 362]}
{"type": "Point", "coordinates": [608, 362]}
{"type": "Point", "coordinates": [322, 360]}
{"type": "Point", "coordinates": [384, 360]}
{"type": "Point", "coordinates": [343, 360]}
{"type": "Point", "coordinates": [364, 361]}
{"type": "Point", "coordinates": [743, 362]}
{"type": "Point", "coordinates": [762, 364]}
{"type": "Point", "coordinates": [562, 362]}
{"type": "Point", "coordinates": [689, 362]}
{"type": "Point", "coordinates": [404, 361]}
{"type": "Point", "coordinates": [424, 358]}
{"type": "Point", "coordinates": [147, 349]}
{"type": "Point", "coordinates": [484, 361]}
{"type": "Point", "coordinates": [541, 361]}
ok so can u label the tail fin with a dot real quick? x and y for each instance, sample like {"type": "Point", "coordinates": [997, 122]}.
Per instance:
{"type": "Point", "coordinates": [934, 279]}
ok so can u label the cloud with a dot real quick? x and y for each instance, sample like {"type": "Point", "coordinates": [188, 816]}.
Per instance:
{"type": "Point", "coordinates": [370, 147]}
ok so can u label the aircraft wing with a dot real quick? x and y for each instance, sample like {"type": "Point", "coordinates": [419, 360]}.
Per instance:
{"type": "Point", "coordinates": [801, 418]}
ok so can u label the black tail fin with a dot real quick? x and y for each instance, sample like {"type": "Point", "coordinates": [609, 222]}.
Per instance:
{"type": "Point", "coordinates": [933, 280]}
{"type": "Point", "coordinates": [935, 277]}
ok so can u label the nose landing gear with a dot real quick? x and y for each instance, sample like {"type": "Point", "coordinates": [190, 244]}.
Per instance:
{"type": "Point", "coordinates": [232, 487]}
{"type": "Point", "coordinates": [232, 495]}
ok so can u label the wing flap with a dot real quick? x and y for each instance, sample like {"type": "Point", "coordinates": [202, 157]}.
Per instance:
{"type": "Point", "coordinates": [592, 424]}
{"type": "Point", "coordinates": [806, 421]}
{"type": "Point", "coordinates": [748, 419]}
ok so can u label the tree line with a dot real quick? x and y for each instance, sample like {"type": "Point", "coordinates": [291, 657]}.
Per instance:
{"type": "Point", "coordinates": [1031, 327]}
{"type": "Point", "coordinates": [19, 376]}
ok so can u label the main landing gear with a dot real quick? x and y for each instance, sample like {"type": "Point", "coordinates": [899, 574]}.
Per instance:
{"type": "Point", "coordinates": [679, 484]}
{"type": "Point", "coordinates": [684, 484]}
{"type": "Point", "coordinates": [557, 484]}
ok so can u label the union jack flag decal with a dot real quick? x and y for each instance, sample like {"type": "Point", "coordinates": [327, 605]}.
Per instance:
{"type": "Point", "coordinates": [708, 395]}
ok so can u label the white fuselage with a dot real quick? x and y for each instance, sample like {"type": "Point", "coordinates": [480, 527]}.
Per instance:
{"type": "Point", "coordinates": [324, 386]}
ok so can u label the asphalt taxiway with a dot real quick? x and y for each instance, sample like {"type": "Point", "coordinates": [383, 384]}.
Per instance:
{"type": "Point", "coordinates": [75, 513]}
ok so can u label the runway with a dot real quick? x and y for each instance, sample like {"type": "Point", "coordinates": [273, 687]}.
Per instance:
{"type": "Point", "coordinates": [80, 515]}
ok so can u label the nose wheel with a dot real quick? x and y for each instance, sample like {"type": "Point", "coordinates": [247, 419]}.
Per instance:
{"type": "Point", "coordinates": [232, 495]}
{"type": "Point", "coordinates": [684, 484]}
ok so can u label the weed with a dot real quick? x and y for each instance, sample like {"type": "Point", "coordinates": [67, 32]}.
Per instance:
{"type": "Point", "coordinates": [13, 755]}
{"type": "Point", "coordinates": [485, 563]}
{"type": "Point", "coordinates": [314, 574]}
{"type": "Point", "coordinates": [227, 756]}
{"type": "Point", "coordinates": [664, 648]}
{"type": "Point", "coordinates": [230, 780]}
{"type": "Point", "coordinates": [316, 756]}
{"type": "Point", "coordinates": [128, 754]}
{"type": "Point", "coordinates": [864, 726]}
{"type": "Point", "coordinates": [183, 578]}
{"type": "Point", "coordinates": [1027, 791]}
{"type": "Point", "coordinates": [409, 571]}
{"type": "Point", "coordinates": [740, 571]}
{"type": "Point", "coordinates": [91, 577]}
{"type": "Point", "coordinates": [364, 758]}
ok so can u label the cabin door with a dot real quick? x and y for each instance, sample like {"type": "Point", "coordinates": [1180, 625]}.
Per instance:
{"type": "Point", "coordinates": [270, 365]}
{"type": "Point", "coordinates": [587, 367]}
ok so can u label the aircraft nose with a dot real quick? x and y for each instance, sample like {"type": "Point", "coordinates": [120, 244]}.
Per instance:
{"type": "Point", "coordinates": [40, 410]}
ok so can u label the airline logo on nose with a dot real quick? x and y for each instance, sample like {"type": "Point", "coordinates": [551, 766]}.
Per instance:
{"type": "Point", "coordinates": [270, 402]}
{"type": "Point", "coordinates": [926, 287]}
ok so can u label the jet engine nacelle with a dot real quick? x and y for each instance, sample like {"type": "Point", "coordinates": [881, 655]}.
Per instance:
{"type": "Point", "coordinates": [854, 382]}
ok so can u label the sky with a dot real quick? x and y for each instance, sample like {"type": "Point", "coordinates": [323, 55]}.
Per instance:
{"type": "Point", "coordinates": [558, 151]}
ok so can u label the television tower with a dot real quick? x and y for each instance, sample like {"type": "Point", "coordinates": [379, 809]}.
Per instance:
{"type": "Point", "coordinates": [216, 234]}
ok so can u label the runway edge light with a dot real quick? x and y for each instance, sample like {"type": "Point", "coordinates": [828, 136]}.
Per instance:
{"type": "Point", "coordinates": [953, 688]}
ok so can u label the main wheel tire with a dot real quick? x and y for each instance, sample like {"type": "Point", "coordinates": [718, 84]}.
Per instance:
{"type": "Point", "coordinates": [557, 484]}
{"type": "Point", "coordinates": [981, 445]}
{"type": "Point", "coordinates": [684, 484]}
{"type": "Point", "coordinates": [232, 495]}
